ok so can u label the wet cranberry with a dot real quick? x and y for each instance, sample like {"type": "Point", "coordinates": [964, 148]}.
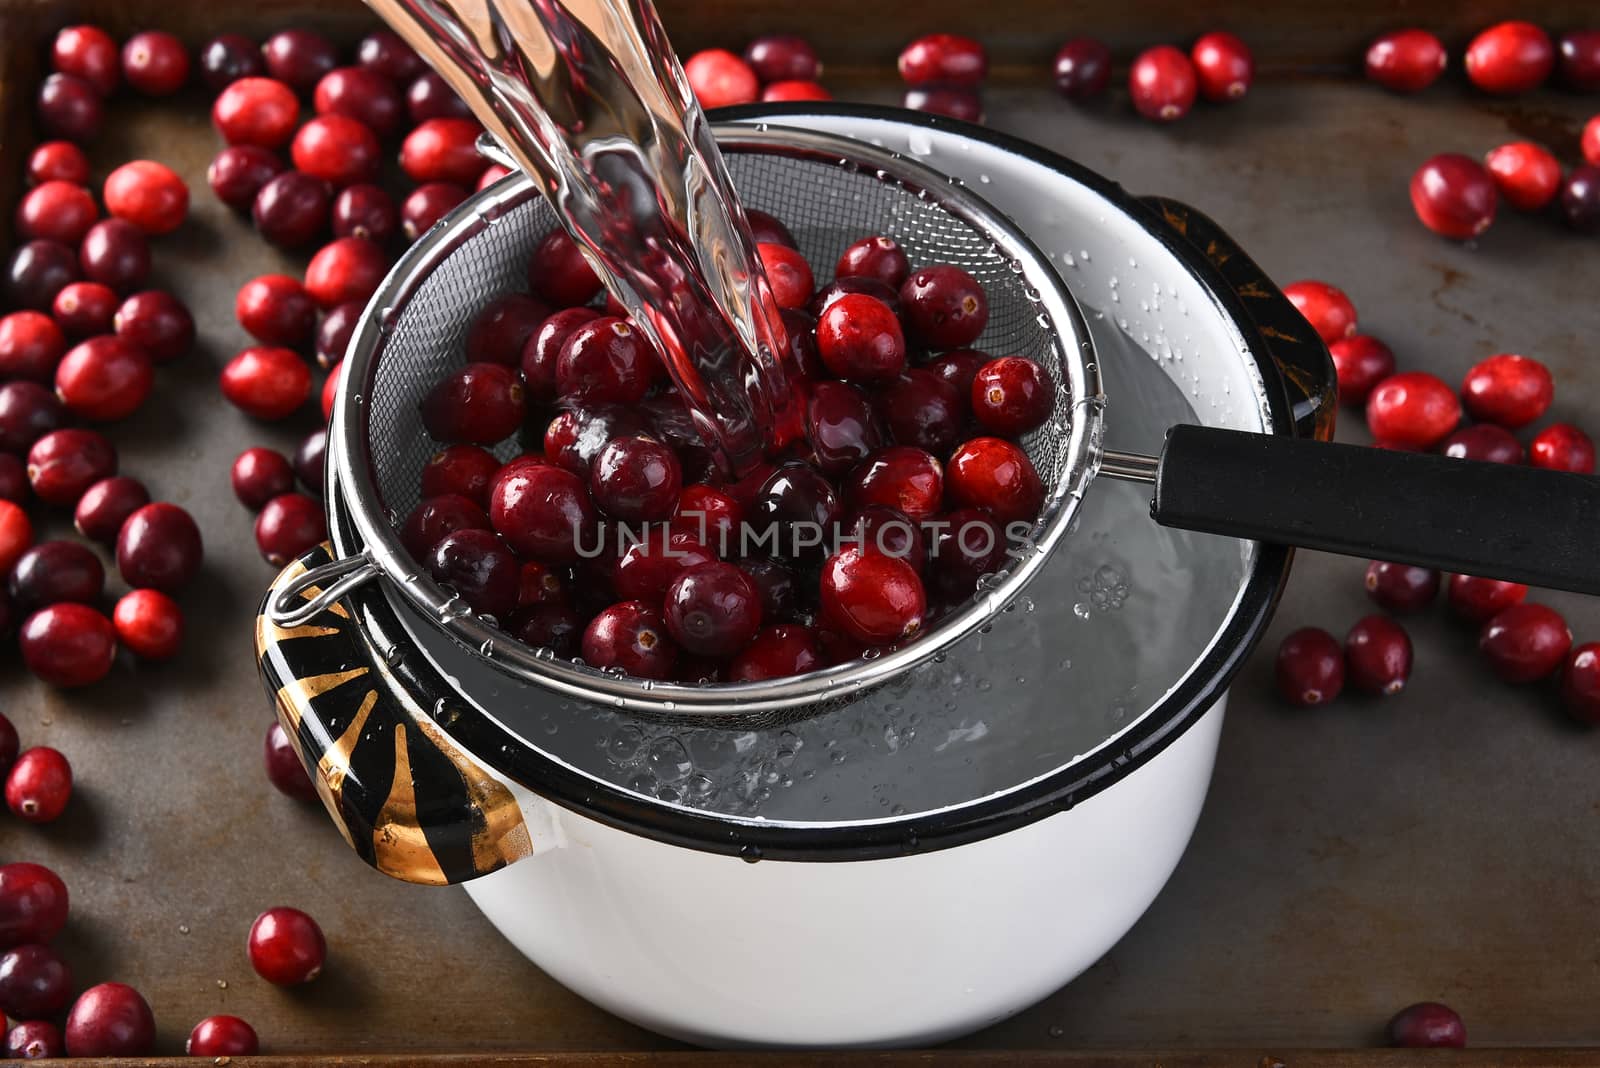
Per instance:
{"type": "Point", "coordinates": [943, 59]}
{"type": "Point", "coordinates": [631, 636]}
{"type": "Point", "coordinates": [962, 104]}
{"type": "Point", "coordinates": [899, 476]}
{"type": "Point", "coordinates": [363, 95]}
{"type": "Point", "coordinates": [284, 769]}
{"type": "Point", "coordinates": [1377, 654]}
{"type": "Point", "coordinates": [542, 511]}
{"type": "Point", "coordinates": [767, 229]}
{"type": "Point", "coordinates": [480, 403]}
{"type": "Point", "coordinates": [37, 271]}
{"type": "Point", "coordinates": [542, 349]}
{"type": "Point", "coordinates": [223, 1037]}
{"type": "Point", "coordinates": [636, 479]}
{"type": "Point", "coordinates": [872, 598]}
{"type": "Point", "coordinates": [427, 204]}
{"type": "Point", "coordinates": [256, 111]}
{"type": "Point", "coordinates": [859, 338]}
{"type": "Point", "coordinates": [104, 379]}
{"type": "Point", "coordinates": [53, 572]}
{"type": "Point", "coordinates": [90, 53]}
{"type": "Point", "coordinates": [1454, 196]}
{"type": "Point", "coordinates": [1082, 68]}
{"type": "Point", "coordinates": [63, 463]}
{"type": "Point", "coordinates": [556, 627]}
{"type": "Point", "coordinates": [299, 57]}
{"type": "Point", "coordinates": [830, 294]}
{"type": "Point", "coordinates": [944, 306]}
{"type": "Point", "coordinates": [884, 529]}
{"type": "Point", "coordinates": [1485, 443]}
{"type": "Point", "coordinates": [106, 505]}
{"type": "Point", "coordinates": [33, 904]}
{"type": "Point", "coordinates": [1580, 683]}
{"type": "Point", "coordinates": [1406, 61]}
{"type": "Point", "coordinates": [32, 1040]}
{"type": "Point", "coordinates": [58, 161]}
{"type": "Point", "coordinates": [1579, 60]}
{"type": "Point", "coordinates": [1223, 67]}
{"type": "Point", "coordinates": [84, 309]}
{"type": "Point", "coordinates": [155, 63]}
{"type": "Point", "coordinates": [1162, 84]}
{"type": "Point", "coordinates": [712, 610]}
{"type": "Point", "coordinates": [31, 344]}
{"type": "Point", "coordinates": [115, 253]}
{"type": "Point", "coordinates": [776, 652]}
{"type": "Point", "coordinates": [648, 565]}
{"type": "Point", "coordinates": [1562, 447]}
{"type": "Point", "coordinates": [1511, 57]}
{"type": "Point", "coordinates": [110, 1020]}
{"type": "Point", "coordinates": [711, 515]}
{"type": "Point", "coordinates": [1401, 588]}
{"type": "Point", "coordinates": [310, 461]}
{"type": "Point", "coordinates": [778, 587]}
{"type": "Point", "coordinates": [1481, 599]}
{"type": "Point", "coordinates": [1325, 307]}
{"type": "Point", "coordinates": [292, 209]}
{"type": "Point", "coordinates": [267, 383]}
{"type": "Point", "coordinates": [34, 981]}
{"type": "Point", "coordinates": [478, 566]}
{"type": "Point", "coordinates": [1413, 408]}
{"type": "Point", "coordinates": [1526, 174]}
{"type": "Point", "coordinates": [159, 547]}
{"type": "Point", "coordinates": [606, 361]}
{"type": "Point", "coordinates": [68, 645]}
{"type": "Point", "coordinates": [960, 369]}
{"type": "Point", "coordinates": [149, 624]}
{"type": "Point", "coordinates": [538, 584]}
{"type": "Point", "coordinates": [1360, 362]}
{"type": "Point", "coordinates": [260, 474]}
{"type": "Point", "coordinates": [1012, 395]}
{"type": "Point", "coordinates": [443, 150]}
{"type": "Point", "coordinates": [1427, 1023]}
{"type": "Point", "coordinates": [56, 211]}
{"type": "Point", "coordinates": [720, 79]}
{"type": "Point", "coordinates": [995, 475]}
{"type": "Point", "coordinates": [157, 323]}
{"type": "Point", "coordinates": [276, 310]}
{"type": "Point", "coordinates": [430, 97]}
{"type": "Point", "coordinates": [333, 336]}
{"type": "Point", "coordinates": [788, 273]}
{"type": "Point", "coordinates": [1580, 199]}
{"type": "Point", "coordinates": [336, 148]}
{"type": "Point", "coordinates": [558, 273]}
{"type": "Point", "coordinates": [500, 331]}
{"type": "Point", "coordinates": [924, 410]}
{"type": "Point", "coordinates": [783, 58]}
{"type": "Point", "coordinates": [797, 508]}
{"type": "Point", "coordinates": [346, 269]}
{"type": "Point", "coordinates": [16, 535]}
{"type": "Point", "coordinates": [1508, 390]}
{"type": "Point", "coordinates": [840, 426]}
{"type": "Point", "coordinates": [69, 108]}
{"type": "Point", "coordinates": [670, 423]}
{"type": "Point", "coordinates": [1310, 667]}
{"type": "Point", "coordinates": [1525, 642]}
{"type": "Point", "coordinates": [38, 788]}
{"type": "Point", "coordinates": [288, 526]}
{"type": "Point", "coordinates": [238, 172]}
{"type": "Point", "coordinates": [878, 258]}
{"type": "Point", "coordinates": [574, 437]}
{"type": "Point", "coordinates": [784, 91]}
{"type": "Point", "coordinates": [466, 470]}
{"type": "Point", "coordinates": [436, 517]}
{"type": "Point", "coordinates": [364, 211]}
{"type": "Point", "coordinates": [286, 947]}
{"type": "Point", "coordinates": [228, 57]}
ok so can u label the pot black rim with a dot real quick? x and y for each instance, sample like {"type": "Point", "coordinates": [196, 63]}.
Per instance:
{"type": "Point", "coordinates": [1205, 682]}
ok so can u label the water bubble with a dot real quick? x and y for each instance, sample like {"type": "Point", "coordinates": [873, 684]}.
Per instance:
{"type": "Point", "coordinates": [1080, 610]}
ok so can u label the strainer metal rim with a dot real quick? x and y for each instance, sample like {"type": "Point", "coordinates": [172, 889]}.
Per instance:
{"type": "Point", "coordinates": [385, 554]}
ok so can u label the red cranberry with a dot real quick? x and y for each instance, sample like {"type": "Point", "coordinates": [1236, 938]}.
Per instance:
{"type": "Point", "coordinates": [794, 90]}
{"type": "Point", "coordinates": [267, 383]}
{"type": "Point", "coordinates": [13, 490]}
{"type": "Point", "coordinates": [1579, 60]}
{"type": "Point", "coordinates": [631, 636]}
{"type": "Point", "coordinates": [829, 294]}
{"type": "Point", "coordinates": [558, 273]}
{"type": "Point", "coordinates": [83, 309]}
{"type": "Point", "coordinates": [1377, 654]}
{"type": "Point", "coordinates": [995, 475]}
{"type": "Point", "coordinates": [54, 572]}
{"type": "Point", "coordinates": [443, 150]}
{"type": "Point", "coordinates": [333, 336]}
{"type": "Point", "coordinates": [1401, 588]}
{"type": "Point", "coordinates": [68, 645]}
{"type": "Point", "coordinates": [16, 534]}
{"type": "Point", "coordinates": [669, 422]}
{"type": "Point", "coordinates": [238, 172]}
{"type": "Point", "coordinates": [288, 526]}
{"type": "Point", "coordinates": [1589, 141]}
{"type": "Point", "coordinates": [551, 626]}
{"type": "Point", "coordinates": [606, 361]}
{"type": "Point", "coordinates": [275, 310]}
{"type": "Point", "coordinates": [878, 258]}
{"type": "Point", "coordinates": [1361, 362]}
{"type": "Point", "coordinates": [69, 108]}
{"type": "Point", "coordinates": [1406, 61]}
{"type": "Point", "coordinates": [1580, 198]}
{"type": "Point", "coordinates": [647, 567]}
{"type": "Point", "coordinates": [37, 271]}
{"type": "Point", "coordinates": [365, 211]}
{"type": "Point", "coordinates": [31, 344]}
{"type": "Point", "coordinates": [56, 211]}
{"type": "Point", "coordinates": [34, 981]}
{"type": "Point", "coordinates": [104, 379]}
{"type": "Point", "coordinates": [880, 528]}
{"type": "Point", "coordinates": [155, 63]}
{"type": "Point", "coordinates": [943, 59]}
{"type": "Point", "coordinates": [63, 463]}
{"type": "Point", "coordinates": [299, 57]}
{"type": "Point", "coordinates": [491, 174]}
{"type": "Point", "coordinates": [799, 509]}
{"type": "Point", "coordinates": [460, 469]}
{"type": "Point", "coordinates": [1413, 408]}
{"type": "Point", "coordinates": [284, 769]}
{"type": "Point", "coordinates": [1082, 68]}
{"type": "Point", "coordinates": [960, 369]}
{"type": "Point", "coordinates": [149, 624]}
{"type": "Point", "coordinates": [1526, 174]}
{"type": "Point", "coordinates": [432, 519]}
{"type": "Point", "coordinates": [537, 584]}
{"type": "Point", "coordinates": [1525, 642]}
{"type": "Point", "coordinates": [1510, 57]}
{"type": "Point", "coordinates": [962, 104]}
{"type": "Point", "coordinates": [58, 161]}
{"type": "Point", "coordinates": [384, 52]}
{"type": "Point", "coordinates": [32, 1040]}
{"type": "Point", "coordinates": [256, 111]}
{"type": "Point", "coordinates": [33, 904]}
{"type": "Point", "coordinates": [1310, 667]}
{"type": "Point", "coordinates": [159, 547]}
{"type": "Point", "coordinates": [1427, 1023]}
{"type": "Point", "coordinates": [228, 57]}
{"type": "Point", "coordinates": [480, 403]}
{"type": "Point", "coordinates": [788, 273]}
{"type": "Point", "coordinates": [115, 253]}
{"type": "Point", "coordinates": [859, 338]}
{"type": "Point", "coordinates": [1325, 307]}
{"type": "Point", "coordinates": [346, 269]}
{"type": "Point", "coordinates": [337, 149]}
{"type": "Point", "coordinates": [542, 350]}
{"type": "Point", "coordinates": [1485, 443]}
{"type": "Point", "coordinates": [776, 652]}
{"type": "Point", "coordinates": [1454, 196]}
{"type": "Point", "coordinates": [767, 229]}
{"type": "Point", "coordinates": [574, 437]}
{"type": "Point", "coordinates": [363, 95]}
{"type": "Point", "coordinates": [28, 412]}
{"type": "Point", "coordinates": [292, 209]}
{"type": "Point", "coordinates": [1162, 84]}
{"type": "Point", "coordinates": [106, 505]}
{"type": "Point", "coordinates": [110, 1020]}
{"type": "Point", "coordinates": [944, 306]}
{"type": "Point", "coordinates": [427, 204]}
{"type": "Point", "coordinates": [636, 479]}
{"type": "Point", "coordinates": [783, 58]}
{"type": "Point", "coordinates": [39, 784]}
{"type": "Point", "coordinates": [1562, 447]}
{"type": "Point", "coordinates": [1580, 683]}
{"type": "Point", "coordinates": [924, 410]}
{"type": "Point", "coordinates": [542, 511]}
{"type": "Point", "coordinates": [90, 53]}
{"type": "Point", "coordinates": [711, 515]}
{"type": "Point", "coordinates": [310, 461]}
{"type": "Point", "coordinates": [260, 474]}
{"type": "Point", "coordinates": [499, 332]}
{"type": "Point", "coordinates": [713, 610]}
{"type": "Point", "coordinates": [840, 426]}
{"type": "Point", "coordinates": [1223, 67]}
{"type": "Point", "coordinates": [1508, 390]}
{"type": "Point", "coordinates": [223, 1037]}
{"type": "Point", "coordinates": [1481, 599]}
{"type": "Point", "coordinates": [286, 947]}
{"type": "Point", "coordinates": [720, 79]}
{"type": "Point", "coordinates": [430, 97]}
{"type": "Point", "coordinates": [330, 392]}
{"type": "Point", "coordinates": [871, 597]}
{"type": "Point", "coordinates": [478, 566]}
{"type": "Point", "coordinates": [1012, 395]}
{"type": "Point", "coordinates": [899, 476]}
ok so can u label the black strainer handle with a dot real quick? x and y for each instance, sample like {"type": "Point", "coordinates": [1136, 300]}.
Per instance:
{"type": "Point", "coordinates": [1519, 524]}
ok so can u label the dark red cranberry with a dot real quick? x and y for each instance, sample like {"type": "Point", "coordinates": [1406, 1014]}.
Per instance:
{"type": "Point", "coordinates": [1223, 66]}
{"type": "Point", "coordinates": [104, 379]}
{"type": "Point", "coordinates": [853, 284]}
{"type": "Point", "coordinates": [284, 769]}
{"type": "Point", "coordinates": [1082, 68]}
{"type": "Point", "coordinates": [256, 111]}
{"type": "Point", "coordinates": [542, 511]}
{"type": "Point", "coordinates": [228, 57]}
{"type": "Point", "coordinates": [899, 476]}
{"type": "Point", "coordinates": [58, 161]}
{"type": "Point", "coordinates": [292, 209]}
{"type": "Point", "coordinates": [1377, 654]}
{"type": "Point", "coordinates": [777, 585]}
{"type": "Point", "coordinates": [1406, 61]}
{"type": "Point", "coordinates": [783, 58]}
{"type": "Point", "coordinates": [1427, 1023]}
{"type": "Point", "coordinates": [276, 310]}
{"type": "Point", "coordinates": [500, 331]}
{"type": "Point", "coordinates": [776, 652]}
{"type": "Point", "coordinates": [90, 53]}
{"type": "Point", "coordinates": [346, 269]}
{"type": "Point", "coordinates": [110, 1020]}
{"type": "Point", "coordinates": [1510, 57]}
{"type": "Point", "coordinates": [430, 97]}
{"type": "Point", "coordinates": [35, 981]}
{"type": "Point", "coordinates": [995, 475]}
{"type": "Point", "coordinates": [159, 547]}
{"type": "Point", "coordinates": [14, 489]}
{"type": "Point", "coordinates": [31, 344]}
{"type": "Point", "coordinates": [840, 426]}
{"type": "Point", "coordinates": [299, 57]}
{"type": "Point", "coordinates": [1481, 599]}
{"type": "Point", "coordinates": [1525, 642]}
{"type": "Point", "coordinates": [871, 597]}
{"type": "Point", "coordinates": [427, 204]}
{"type": "Point", "coordinates": [636, 479]}
{"type": "Point", "coordinates": [38, 787]}
{"type": "Point", "coordinates": [788, 273]}
{"type": "Point", "coordinates": [286, 947]}
{"type": "Point", "coordinates": [69, 108]}
{"type": "Point", "coordinates": [310, 461]}
{"type": "Point", "coordinates": [944, 306]}
{"type": "Point", "coordinates": [1162, 84]}
{"type": "Point", "coordinates": [669, 422]}
{"type": "Point", "coordinates": [466, 470]}
{"type": "Point", "coordinates": [1310, 667]}
{"type": "Point", "coordinates": [1579, 60]}
{"type": "Point", "coordinates": [1401, 588]}
{"type": "Point", "coordinates": [478, 566]}
{"type": "Point", "coordinates": [884, 529]}
{"type": "Point", "coordinates": [551, 626]}
{"type": "Point", "coordinates": [365, 211]}
{"type": "Point", "coordinates": [68, 645]}
{"type": "Point", "coordinates": [28, 412]}
{"type": "Point", "coordinates": [631, 636]}
{"type": "Point", "coordinates": [436, 517]}
{"type": "Point", "coordinates": [238, 172]}
{"type": "Point", "coordinates": [56, 571]}
{"type": "Point", "coordinates": [1326, 307]}
{"type": "Point", "coordinates": [56, 211]}
{"type": "Point", "coordinates": [1454, 196]}
{"type": "Point", "coordinates": [267, 383]}
{"type": "Point", "coordinates": [962, 104]}
{"type": "Point", "coordinates": [115, 253]}
{"type": "Point", "coordinates": [1580, 199]}
{"type": "Point", "coordinates": [84, 309]}
{"type": "Point", "coordinates": [443, 150]}
{"type": "Point", "coordinates": [575, 437]}
{"type": "Point", "coordinates": [33, 904]}
{"type": "Point", "coordinates": [1361, 362]}
{"type": "Point", "coordinates": [767, 229]}
{"type": "Point", "coordinates": [606, 361]}
{"type": "Point", "coordinates": [32, 1040]}
{"type": "Point", "coordinates": [155, 63]}
{"type": "Point", "coordinates": [1526, 174]}
{"type": "Point", "coordinates": [1012, 395]}
{"type": "Point", "coordinates": [721, 79]}
{"type": "Point", "coordinates": [713, 610]}
{"type": "Point", "coordinates": [1508, 390]}
{"type": "Point", "coordinates": [149, 624]}
{"type": "Point", "coordinates": [63, 463]}
{"type": "Point", "coordinates": [288, 526]}
{"type": "Point", "coordinates": [1580, 683]}
{"type": "Point", "coordinates": [1413, 408]}
{"type": "Point", "coordinates": [960, 369]}
{"type": "Point", "coordinates": [801, 359]}
{"type": "Point", "coordinates": [1562, 447]}
{"type": "Point", "coordinates": [648, 565]}
{"type": "Point", "coordinates": [798, 509]}
{"type": "Point", "coordinates": [859, 338]}
{"type": "Point", "coordinates": [878, 258]}
{"type": "Point", "coordinates": [943, 59]}
{"type": "Point", "coordinates": [106, 505]}
{"type": "Point", "coordinates": [260, 474]}
{"type": "Point", "coordinates": [37, 271]}
{"type": "Point", "coordinates": [558, 273]}
{"type": "Point", "coordinates": [1485, 443]}
{"type": "Point", "coordinates": [480, 403]}
{"type": "Point", "coordinates": [542, 349]}
{"type": "Point", "coordinates": [384, 52]}
{"type": "Point", "coordinates": [336, 148]}
{"type": "Point", "coordinates": [335, 333]}
{"type": "Point", "coordinates": [538, 584]}
{"type": "Point", "coordinates": [363, 95]}
{"type": "Point", "coordinates": [222, 1037]}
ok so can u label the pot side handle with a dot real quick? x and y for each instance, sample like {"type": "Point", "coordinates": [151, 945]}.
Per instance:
{"type": "Point", "coordinates": [408, 800]}
{"type": "Point", "coordinates": [1302, 359]}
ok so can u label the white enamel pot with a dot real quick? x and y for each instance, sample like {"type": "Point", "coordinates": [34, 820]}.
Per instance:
{"type": "Point", "coordinates": [791, 919]}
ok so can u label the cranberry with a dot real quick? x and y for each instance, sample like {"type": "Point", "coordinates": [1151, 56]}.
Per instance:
{"type": "Point", "coordinates": [299, 57]}
{"type": "Point", "coordinates": [430, 97]}
{"type": "Point", "coordinates": [1377, 654]}
{"type": "Point", "coordinates": [54, 572]}
{"type": "Point", "coordinates": [1325, 307]}
{"type": "Point", "coordinates": [159, 547]}
{"type": "Point", "coordinates": [636, 479]}
{"type": "Point", "coordinates": [16, 534]}
{"type": "Point", "coordinates": [859, 338]}
{"type": "Point", "coordinates": [537, 584]}
{"type": "Point", "coordinates": [68, 644]}
{"type": "Point", "coordinates": [1454, 196]}
{"type": "Point", "coordinates": [157, 323]}
{"type": "Point", "coordinates": [58, 161]}
{"type": "Point", "coordinates": [104, 379]}
{"type": "Point", "coordinates": [115, 253]}
{"type": "Point", "coordinates": [1526, 174]}
{"type": "Point", "coordinates": [1413, 408]}
{"type": "Point", "coordinates": [32, 1040]}
{"type": "Point", "coordinates": [1082, 68]}
{"type": "Point", "coordinates": [260, 474]}
{"type": "Point", "coordinates": [1562, 447]}
{"type": "Point", "coordinates": [606, 361]}
{"type": "Point", "coordinates": [276, 310]}
{"type": "Point", "coordinates": [228, 57]}
{"type": "Point", "coordinates": [38, 788]}
{"type": "Point", "coordinates": [558, 273]}
{"type": "Point", "coordinates": [155, 63]}
{"type": "Point", "coordinates": [777, 585]}
{"type": "Point", "coordinates": [830, 294]}
{"type": "Point", "coordinates": [648, 566]}
{"type": "Point", "coordinates": [542, 349]}
{"type": "Point", "coordinates": [289, 525]}
{"type": "Point", "coordinates": [287, 947]}
{"type": "Point", "coordinates": [924, 410]}
{"type": "Point", "coordinates": [713, 610]}
{"type": "Point", "coordinates": [944, 306]}
{"type": "Point", "coordinates": [56, 211]}
{"type": "Point", "coordinates": [1589, 141]}
{"type": "Point", "coordinates": [13, 490]}
{"type": "Point", "coordinates": [783, 58]}
{"type": "Point", "coordinates": [799, 507]}
{"type": "Point", "coordinates": [1360, 361]}
{"type": "Point", "coordinates": [238, 172]}
{"type": "Point", "coordinates": [436, 517]}
{"type": "Point", "coordinates": [105, 505]}
{"type": "Point", "coordinates": [1310, 667]}
{"type": "Point", "coordinates": [899, 476]}
{"type": "Point", "coordinates": [33, 904]}
{"type": "Point", "coordinates": [631, 636]}
{"type": "Point", "coordinates": [147, 194]}
{"type": "Point", "coordinates": [994, 474]}
{"type": "Point", "coordinates": [871, 597]}
{"type": "Point", "coordinates": [346, 269]}
{"type": "Point", "coordinates": [365, 211]}
{"type": "Point", "coordinates": [69, 108]}
{"type": "Point", "coordinates": [541, 510]}
{"type": "Point", "coordinates": [709, 514]}
{"type": "Point", "coordinates": [1481, 599]}
{"type": "Point", "coordinates": [962, 104]}
{"type": "Point", "coordinates": [466, 470]}
{"type": "Point", "coordinates": [335, 333]}
{"type": "Point", "coordinates": [1162, 83]}
{"type": "Point", "coordinates": [943, 59]}
{"type": "Point", "coordinates": [720, 79]}
{"type": "Point", "coordinates": [776, 652]}
{"type": "Point", "coordinates": [500, 331]}
{"type": "Point", "coordinates": [34, 980]}
{"type": "Point", "coordinates": [363, 95]}
{"type": "Point", "coordinates": [491, 174]}
{"type": "Point", "coordinates": [292, 209]}
{"type": "Point", "coordinates": [8, 749]}
{"type": "Point", "coordinates": [310, 461]}
{"type": "Point", "coordinates": [337, 149]}
{"type": "Point", "coordinates": [1580, 683]}
{"type": "Point", "coordinates": [31, 344]}
{"type": "Point", "coordinates": [1524, 642]}
{"type": "Point", "coordinates": [478, 566]}
{"type": "Point", "coordinates": [840, 426]}
{"type": "Point", "coordinates": [1406, 61]}
{"type": "Point", "coordinates": [878, 258]}
{"type": "Point", "coordinates": [555, 627]}
{"type": "Point", "coordinates": [785, 91]}
{"type": "Point", "coordinates": [149, 624]}
{"type": "Point", "coordinates": [767, 229]}
{"type": "Point", "coordinates": [1580, 198]}
{"type": "Point", "coordinates": [1012, 395]}
{"type": "Point", "coordinates": [1508, 390]}
{"type": "Point", "coordinates": [330, 392]}
{"type": "Point", "coordinates": [222, 1037]}
{"type": "Point", "coordinates": [427, 204]}
{"type": "Point", "coordinates": [63, 463]}
{"type": "Point", "coordinates": [384, 52]}
{"type": "Point", "coordinates": [1401, 588]}
{"type": "Point", "coordinates": [443, 150]}
{"type": "Point", "coordinates": [1223, 66]}
{"type": "Point", "coordinates": [90, 53]}
{"type": "Point", "coordinates": [1427, 1023]}
{"type": "Point", "coordinates": [1510, 57]}
{"type": "Point", "coordinates": [881, 528]}
{"type": "Point", "coordinates": [1579, 60]}
{"type": "Point", "coordinates": [284, 769]}
{"type": "Point", "coordinates": [28, 412]}
{"type": "Point", "coordinates": [1485, 443]}
{"type": "Point", "coordinates": [256, 111]}
{"type": "Point", "coordinates": [267, 383]}
{"type": "Point", "coordinates": [480, 403]}
{"type": "Point", "coordinates": [83, 309]}
{"type": "Point", "coordinates": [110, 1020]}
{"type": "Point", "coordinates": [788, 273]}
{"type": "Point", "coordinates": [574, 437]}
{"type": "Point", "coordinates": [37, 271]}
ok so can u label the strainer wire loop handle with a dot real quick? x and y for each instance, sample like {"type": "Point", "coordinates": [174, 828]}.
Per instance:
{"type": "Point", "coordinates": [292, 607]}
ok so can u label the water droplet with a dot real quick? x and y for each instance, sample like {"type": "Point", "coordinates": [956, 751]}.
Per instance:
{"type": "Point", "coordinates": [750, 853]}
{"type": "Point", "coordinates": [1080, 610]}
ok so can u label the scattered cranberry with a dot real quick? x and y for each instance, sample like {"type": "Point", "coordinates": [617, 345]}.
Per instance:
{"type": "Point", "coordinates": [1508, 390]}
{"type": "Point", "coordinates": [1082, 68]}
{"type": "Point", "coordinates": [1223, 67]}
{"type": "Point", "coordinates": [32, 1040]}
{"type": "Point", "coordinates": [1427, 1023]}
{"type": "Point", "coordinates": [1481, 599]}
{"type": "Point", "coordinates": [943, 59]}
{"type": "Point", "coordinates": [106, 505]}
{"type": "Point", "coordinates": [299, 57]}
{"type": "Point", "coordinates": [427, 204]}
{"type": "Point", "coordinates": [1326, 307]}
{"type": "Point", "coordinates": [68, 645]}
{"type": "Point", "coordinates": [636, 479]}
{"type": "Point", "coordinates": [284, 769]}
{"type": "Point", "coordinates": [110, 1020]}
{"type": "Point", "coordinates": [1526, 174]}
{"type": "Point", "coordinates": [783, 58]}
{"type": "Point", "coordinates": [1454, 196]}
{"type": "Point", "coordinates": [443, 150]}
{"type": "Point", "coordinates": [149, 624]}
{"type": "Point", "coordinates": [33, 904]}
{"type": "Point", "coordinates": [713, 610]}
{"type": "Point", "coordinates": [1162, 84]}
{"type": "Point", "coordinates": [337, 149]}
{"type": "Point", "coordinates": [40, 782]}
{"type": "Point", "coordinates": [222, 1037]}
{"type": "Point", "coordinates": [58, 161]}
{"type": "Point", "coordinates": [1579, 60]}
{"type": "Point", "coordinates": [54, 572]}
{"type": "Point", "coordinates": [159, 547]}
{"type": "Point", "coordinates": [783, 91]}
{"type": "Point", "coordinates": [631, 636]}
{"type": "Point", "coordinates": [346, 269]}
{"type": "Point", "coordinates": [288, 526]}
{"type": "Point", "coordinates": [962, 104]}
{"type": "Point", "coordinates": [1580, 683]}
{"type": "Point", "coordinates": [1310, 667]}
{"type": "Point", "coordinates": [1580, 198]}
{"type": "Point", "coordinates": [84, 309]}
{"type": "Point", "coordinates": [479, 403]}
{"type": "Point", "coordinates": [720, 79]}
{"type": "Point", "coordinates": [1401, 588]}
{"type": "Point", "coordinates": [64, 463]}
{"type": "Point", "coordinates": [69, 108]}
{"type": "Point", "coordinates": [275, 310]}
{"type": "Point", "coordinates": [334, 335]}
{"type": "Point", "coordinates": [16, 534]}
{"type": "Point", "coordinates": [1377, 655]}
{"type": "Point", "coordinates": [256, 111]}
{"type": "Point", "coordinates": [430, 97]}
{"type": "Point", "coordinates": [104, 379]}
{"type": "Point", "coordinates": [37, 271]}
{"type": "Point", "coordinates": [228, 57]}
{"type": "Point", "coordinates": [871, 597]}
{"type": "Point", "coordinates": [646, 568]}
{"type": "Point", "coordinates": [1360, 362]}
{"type": "Point", "coordinates": [267, 383]}
{"type": "Point", "coordinates": [156, 323]}
{"type": "Point", "coordinates": [310, 461]}
{"type": "Point", "coordinates": [1406, 61]}
{"type": "Point", "coordinates": [260, 474]}
{"type": "Point", "coordinates": [90, 53]}
{"type": "Point", "coordinates": [34, 981]}
{"type": "Point", "coordinates": [1510, 57]}
{"type": "Point", "coordinates": [238, 172]}
{"type": "Point", "coordinates": [479, 567]}
{"type": "Point", "coordinates": [558, 273]}
{"type": "Point", "coordinates": [56, 211]}
{"type": "Point", "coordinates": [1525, 642]}
{"type": "Point", "coordinates": [366, 211]}
{"type": "Point", "coordinates": [115, 252]}
{"type": "Point", "coordinates": [1413, 408]}
{"type": "Point", "coordinates": [1589, 141]}
{"type": "Point", "coordinates": [542, 511]}
{"type": "Point", "coordinates": [155, 63]}
{"type": "Point", "coordinates": [996, 475]}
{"type": "Point", "coordinates": [31, 344]}
{"type": "Point", "coordinates": [1562, 447]}
{"type": "Point", "coordinates": [292, 209]}
{"type": "Point", "coordinates": [1485, 443]}
{"type": "Point", "coordinates": [363, 95]}
{"type": "Point", "coordinates": [776, 652]}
